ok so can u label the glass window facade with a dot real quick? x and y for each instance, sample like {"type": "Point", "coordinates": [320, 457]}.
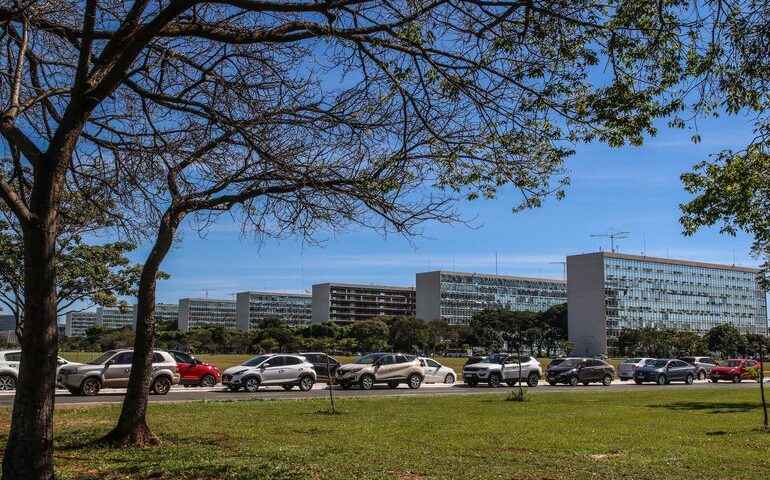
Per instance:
{"type": "Point", "coordinates": [79, 322]}
{"type": "Point", "coordinates": [208, 312]}
{"type": "Point", "coordinates": [114, 317]}
{"type": "Point", "coordinates": [352, 303]}
{"type": "Point", "coordinates": [681, 296]}
{"type": "Point", "coordinates": [293, 310]}
{"type": "Point", "coordinates": [462, 295]}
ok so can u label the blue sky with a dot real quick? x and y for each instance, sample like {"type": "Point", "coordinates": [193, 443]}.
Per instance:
{"type": "Point", "coordinates": [635, 189]}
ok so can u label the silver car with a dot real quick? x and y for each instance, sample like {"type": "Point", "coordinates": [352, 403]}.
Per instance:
{"type": "Point", "coordinates": [265, 370]}
{"type": "Point", "coordinates": [434, 372]}
{"type": "Point", "coordinates": [629, 366]}
{"type": "Point", "coordinates": [9, 368]}
{"type": "Point", "coordinates": [112, 369]}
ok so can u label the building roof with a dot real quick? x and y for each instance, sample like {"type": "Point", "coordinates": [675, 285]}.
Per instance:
{"type": "Point", "coordinates": [490, 275]}
{"type": "Point", "coordinates": [672, 261]}
{"type": "Point", "coordinates": [279, 294]}
{"type": "Point", "coordinates": [372, 287]}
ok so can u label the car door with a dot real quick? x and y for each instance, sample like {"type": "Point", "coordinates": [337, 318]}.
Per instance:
{"type": "Point", "coordinates": [596, 370]}
{"type": "Point", "coordinates": [184, 365]}
{"type": "Point", "coordinates": [291, 369]}
{"type": "Point", "coordinates": [272, 369]}
{"type": "Point", "coordinates": [386, 365]}
{"type": "Point", "coordinates": [432, 371]}
{"type": "Point", "coordinates": [402, 365]}
{"type": "Point", "coordinates": [118, 370]}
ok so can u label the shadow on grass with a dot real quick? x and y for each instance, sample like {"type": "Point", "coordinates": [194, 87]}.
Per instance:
{"type": "Point", "coordinates": [709, 407]}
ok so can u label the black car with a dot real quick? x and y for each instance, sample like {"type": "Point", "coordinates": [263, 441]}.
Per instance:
{"type": "Point", "coordinates": [474, 359]}
{"type": "Point", "coordinates": [573, 371]}
{"type": "Point", "coordinates": [319, 361]}
{"type": "Point", "coordinates": [663, 371]}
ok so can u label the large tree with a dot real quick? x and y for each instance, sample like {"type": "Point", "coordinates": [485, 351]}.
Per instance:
{"type": "Point", "coordinates": [458, 97]}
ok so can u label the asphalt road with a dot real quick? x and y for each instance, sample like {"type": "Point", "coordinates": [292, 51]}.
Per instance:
{"type": "Point", "coordinates": [218, 393]}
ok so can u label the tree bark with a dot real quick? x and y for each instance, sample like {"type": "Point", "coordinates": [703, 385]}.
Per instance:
{"type": "Point", "coordinates": [132, 428]}
{"type": "Point", "coordinates": [29, 449]}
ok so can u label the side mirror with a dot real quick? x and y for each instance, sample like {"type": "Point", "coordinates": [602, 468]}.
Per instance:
{"type": "Point", "coordinates": [109, 362]}
{"type": "Point", "coordinates": [264, 365]}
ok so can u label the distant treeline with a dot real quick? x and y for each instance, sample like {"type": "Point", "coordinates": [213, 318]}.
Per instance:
{"type": "Point", "coordinates": [724, 339]}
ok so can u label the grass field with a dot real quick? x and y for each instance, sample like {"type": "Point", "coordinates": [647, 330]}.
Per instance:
{"type": "Point", "coordinates": [653, 434]}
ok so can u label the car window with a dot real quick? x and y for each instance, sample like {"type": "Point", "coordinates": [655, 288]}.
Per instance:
{"type": "Point", "coordinates": [13, 357]}
{"type": "Point", "coordinates": [369, 359]}
{"type": "Point", "coordinates": [432, 363]}
{"type": "Point", "coordinates": [181, 357]}
{"type": "Point", "coordinates": [401, 359]}
{"type": "Point", "coordinates": [525, 359]}
{"type": "Point", "coordinates": [158, 358]}
{"type": "Point", "coordinates": [292, 361]}
{"type": "Point", "coordinates": [594, 363]}
{"type": "Point", "coordinates": [751, 363]}
{"type": "Point", "coordinates": [124, 358]}
{"type": "Point", "coordinates": [710, 361]}
{"type": "Point", "coordinates": [633, 360]}
{"type": "Point", "coordinates": [387, 360]}
{"type": "Point", "coordinates": [277, 361]}
{"type": "Point", "coordinates": [512, 360]}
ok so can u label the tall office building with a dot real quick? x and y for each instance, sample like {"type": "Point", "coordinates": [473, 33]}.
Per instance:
{"type": "Point", "coordinates": [115, 317]}
{"type": "Point", "coordinates": [78, 322]}
{"type": "Point", "coordinates": [293, 309]}
{"type": "Point", "coordinates": [165, 312]}
{"type": "Point", "coordinates": [610, 291]}
{"type": "Point", "coordinates": [206, 312]}
{"type": "Point", "coordinates": [455, 297]}
{"type": "Point", "coordinates": [341, 302]}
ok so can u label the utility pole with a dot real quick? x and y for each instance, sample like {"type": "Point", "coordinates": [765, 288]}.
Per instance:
{"type": "Point", "coordinates": [564, 266]}
{"type": "Point", "coordinates": [612, 235]}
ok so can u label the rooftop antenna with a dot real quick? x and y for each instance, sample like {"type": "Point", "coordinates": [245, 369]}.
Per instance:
{"type": "Point", "coordinates": [612, 235]}
{"type": "Point", "coordinates": [564, 267]}
{"type": "Point", "coordinates": [644, 244]}
{"type": "Point", "coordinates": [205, 293]}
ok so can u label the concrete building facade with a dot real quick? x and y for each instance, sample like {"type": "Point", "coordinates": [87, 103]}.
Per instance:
{"type": "Point", "coordinates": [78, 322]}
{"type": "Point", "coordinates": [206, 312]}
{"type": "Point", "coordinates": [347, 303]}
{"type": "Point", "coordinates": [251, 308]}
{"type": "Point", "coordinates": [115, 317]}
{"type": "Point", "coordinates": [456, 296]}
{"type": "Point", "coordinates": [608, 292]}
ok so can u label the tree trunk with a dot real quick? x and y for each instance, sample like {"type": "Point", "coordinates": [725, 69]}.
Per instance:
{"type": "Point", "coordinates": [132, 429]}
{"type": "Point", "coordinates": [29, 449]}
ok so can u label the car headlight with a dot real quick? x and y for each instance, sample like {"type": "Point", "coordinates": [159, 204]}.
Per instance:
{"type": "Point", "coordinates": [238, 372]}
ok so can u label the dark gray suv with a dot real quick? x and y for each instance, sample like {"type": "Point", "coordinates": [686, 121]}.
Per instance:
{"type": "Point", "coordinates": [663, 371]}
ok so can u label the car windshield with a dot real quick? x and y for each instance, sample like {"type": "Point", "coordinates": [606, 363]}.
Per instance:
{"type": "Point", "coordinates": [658, 363]}
{"type": "Point", "coordinates": [369, 359]}
{"type": "Point", "coordinates": [102, 358]}
{"type": "Point", "coordinates": [731, 363]}
{"type": "Point", "coordinates": [633, 360]}
{"type": "Point", "coordinates": [255, 361]}
{"type": "Point", "coordinates": [572, 363]}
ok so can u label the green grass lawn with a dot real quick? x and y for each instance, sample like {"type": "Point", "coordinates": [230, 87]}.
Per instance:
{"type": "Point", "coordinates": [652, 434]}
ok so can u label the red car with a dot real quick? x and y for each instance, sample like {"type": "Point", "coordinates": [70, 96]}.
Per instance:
{"type": "Point", "coordinates": [194, 372]}
{"type": "Point", "coordinates": [735, 370]}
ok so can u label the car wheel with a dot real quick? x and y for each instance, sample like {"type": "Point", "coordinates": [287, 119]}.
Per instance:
{"type": "Point", "coordinates": [251, 384]}
{"type": "Point", "coordinates": [306, 383]}
{"type": "Point", "coordinates": [533, 379]}
{"type": "Point", "coordinates": [737, 379]}
{"type": "Point", "coordinates": [208, 381]}
{"type": "Point", "coordinates": [637, 381]}
{"type": "Point", "coordinates": [450, 379]}
{"type": "Point", "coordinates": [472, 383]}
{"type": "Point", "coordinates": [7, 382]}
{"type": "Point", "coordinates": [366, 382]}
{"type": "Point", "coordinates": [573, 381]}
{"type": "Point", "coordinates": [73, 391]}
{"type": "Point", "coordinates": [234, 388]}
{"type": "Point", "coordinates": [494, 380]}
{"type": "Point", "coordinates": [392, 384]}
{"type": "Point", "coordinates": [161, 385]}
{"type": "Point", "coordinates": [345, 386]}
{"type": "Point", "coordinates": [414, 381]}
{"type": "Point", "coordinates": [90, 387]}
{"type": "Point", "coordinates": [702, 375]}
{"type": "Point", "coordinates": [661, 380]}
{"type": "Point", "coordinates": [714, 380]}
{"type": "Point", "coordinates": [688, 380]}
{"type": "Point", "coordinates": [607, 380]}
{"type": "Point", "coordinates": [288, 387]}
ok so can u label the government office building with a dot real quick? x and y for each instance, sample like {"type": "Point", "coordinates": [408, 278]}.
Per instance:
{"type": "Point", "coordinates": [608, 292]}
{"type": "Point", "coordinates": [115, 317]}
{"type": "Point", "coordinates": [251, 308]}
{"type": "Point", "coordinates": [78, 322]}
{"type": "Point", "coordinates": [348, 303]}
{"type": "Point", "coordinates": [455, 296]}
{"type": "Point", "coordinates": [206, 312]}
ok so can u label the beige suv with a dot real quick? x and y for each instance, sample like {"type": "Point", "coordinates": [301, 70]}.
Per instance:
{"type": "Point", "coordinates": [112, 369]}
{"type": "Point", "coordinates": [389, 368]}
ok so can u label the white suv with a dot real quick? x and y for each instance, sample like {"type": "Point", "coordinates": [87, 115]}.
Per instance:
{"type": "Point", "coordinates": [265, 370]}
{"type": "Point", "coordinates": [500, 368]}
{"type": "Point", "coordinates": [9, 368]}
